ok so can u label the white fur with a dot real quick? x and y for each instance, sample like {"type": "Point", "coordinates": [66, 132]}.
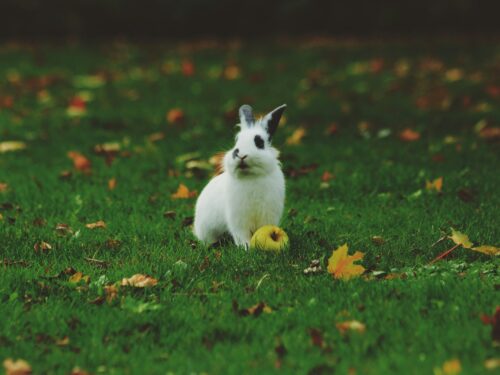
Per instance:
{"type": "Point", "coordinates": [241, 201]}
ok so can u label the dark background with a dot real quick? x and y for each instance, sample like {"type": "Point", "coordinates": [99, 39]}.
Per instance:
{"type": "Point", "coordinates": [224, 18]}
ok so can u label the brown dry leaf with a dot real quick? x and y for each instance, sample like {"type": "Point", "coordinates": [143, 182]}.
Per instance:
{"type": "Point", "coordinates": [80, 162]}
{"type": "Point", "coordinates": [62, 341]}
{"type": "Point", "coordinates": [490, 133]}
{"type": "Point", "coordinates": [488, 250]}
{"type": "Point", "coordinates": [63, 229]}
{"type": "Point", "coordinates": [19, 367]}
{"type": "Point", "coordinates": [183, 193]}
{"type": "Point", "coordinates": [111, 292]}
{"type": "Point", "coordinates": [436, 184]}
{"type": "Point", "coordinates": [460, 239]}
{"type": "Point", "coordinates": [409, 135]}
{"type": "Point", "coordinates": [254, 310]}
{"type": "Point", "coordinates": [327, 176]}
{"type": "Point", "coordinates": [351, 325]}
{"type": "Point", "coordinates": [97, 224]}
{"type": "Point", "coordinates": [9, 146]}
{"type": "Point", "coordinates": [42, 247]}
{"type": "Point", "coordinates": [451, 367]}
{"type": "Point", "coordinates": [492, 363]}
{"type": "Point", "coordinates": [316, 337]}
{"type": "Point", "coordinates": [155, 137]}
{"type": "Point", "coordinates": [232, 72]}
{"type": "Point", "coordinates": [3, 187]}
{"type": "Point", "coordinates": [296, 137]}
{"type": "Point", "coordinates": [341, 265]}
{"type": "Point", "coordinates": [112, 183]}
{"type": "Point", "coordinates": [175, 116]}
{"type": "Point", "coordinates": [139, 281]}
{"type": "Point", "coordinates": [78, 371]}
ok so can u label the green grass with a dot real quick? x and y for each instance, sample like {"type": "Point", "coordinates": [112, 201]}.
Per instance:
{"type": "Point", "coordinates": [186, 323]}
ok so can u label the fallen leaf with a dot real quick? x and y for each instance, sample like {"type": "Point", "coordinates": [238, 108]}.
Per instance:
{"type": "Point", "coordinates": [460, 239]}
{"type": "Point", "coordinates": [488, 250]}
{"type": "Point", "coordinates": [97, 224]}
{"type": "Point", "coordinates": [436, 185]}
{"type": "Point", "coordinates": [3, 187]}
{"type": "Point", "coordinates": [80, 162]}
{"type": "Point", "coordinates": [77, 277]}
{"type": "Point", "coordinates": [351, 325]}
{"type": "Point", "coordinates": [111, 292]}
{"type": "Point", "coordinates": [187, 68]}
{"type": "Point", "coordinates": [451, 367]}
{"type": "Point", "coordinates": [454, 74]}
{"type": "Point", "coordinates": [327, 176]}
{"type": "Point", "coordinates": [492, 363]}
{"type": "Point", "coordinates": [378, 240]}
{"type": "Point", "coordinates": [232, 72]}
{"type": "Point", "coordinates": [139, 281]}
{"type": "Point", "coordinates": [316, 337]}
{"type": "Point", "coordinates": [175, 116]}
{"type": "Point", "coordinates": [77, 107]}
{"type": "Point", "coordinates": [42, 247]}
{"type": "Point", "coordinates": [19, 367]}
{"type": "Point", "coordinates": [112, 183]}
{"type": "Point", "coordinates": [296, 137]}
{"type": "Point", "coordinates": [409, 135]}
{"type": "Point", "coordinates": [155, 137]}
{"type": "Point", "coordinates": [78, 371]}
{"type": "Point", "coordinates": [332, 129]}
{"type": "Point", "coordinates": [341, 265]}
{"type": "Point", "coordinates": [62, 341]}
{"type": "Point", "coordinates": [183, 193]}
{"type": "Point", "coordinates": [494, 320]}
{"type": "Point", "coordinates": [254, 310]}
{"type": "Point", "coordinates": [63, 229]}
{"type": "Point", "coordinates": [9, 146]}
{"type": "Point", "coordinates": [490, 133]}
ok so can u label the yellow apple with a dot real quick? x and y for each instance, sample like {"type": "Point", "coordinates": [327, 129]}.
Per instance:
{"type": "Point", "coordinates": [269, 238]}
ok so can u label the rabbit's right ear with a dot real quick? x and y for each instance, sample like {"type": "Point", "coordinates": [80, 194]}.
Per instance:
{"type": "Point", "coordinates": [246, 116]}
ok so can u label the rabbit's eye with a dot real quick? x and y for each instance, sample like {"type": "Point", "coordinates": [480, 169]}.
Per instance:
{"type": "Point", "coordinates": [259, 142]}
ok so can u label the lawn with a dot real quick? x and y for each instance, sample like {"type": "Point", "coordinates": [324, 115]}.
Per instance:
{"type": "Point", "coordinates": [107, 132]}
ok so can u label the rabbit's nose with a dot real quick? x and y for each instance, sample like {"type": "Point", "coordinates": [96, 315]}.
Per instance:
{"type": "Point", "coordinates": [243, 157]}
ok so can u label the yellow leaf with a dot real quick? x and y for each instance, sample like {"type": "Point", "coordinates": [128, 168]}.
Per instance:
{"type": "Point", "coordinates": [19, 367]}
{"type": "Point", "coordinates": [77, 277]}
{"type": "Point", "coordinates": [8, 146]}
{"type": "Point", "coordinates": [492, 363]}
{"type": "Point", "coordinates": [351, 325]}
{"type": "Point", "coordinates": [460, 239]}
{"type": "Point", "coordinates": [296, 137]}
{"type": "Point", "coordinates": [451, 367]}
{"type": "Point", "coordinates": [183, 193]}
{"type": "Point", "coordinates": [342, 266]}
{"type": "Point", "coordinates": [97, 224]}
{"type": "Point", "coordinates": [139, 281]}
{"type": "Point", "coordinates": [487, 249]}
{"type": "Point", "coordinates": [436, 185]}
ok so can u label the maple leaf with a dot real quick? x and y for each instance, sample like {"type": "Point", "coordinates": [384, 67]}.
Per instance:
{"type": "Point", "coordinates": [409, 135]}
{"type": "Point", "coordinates": [451, 367]}
{"type": "Point", "coordinates": [342, 266]}
{"type": "Point", "coordinates": [460, 239]}
{"type": "Point", "coordinates": [80, 162]}
{"type": "Point", "coordinates": [487, 249]}
{"type": "Point", "coordinates": [351, 325]}
{"type": "Point", "coordinates": [436, 185]}
{"type": "Point", "coordinates": [97, 224]}
{"type": "Point", "coordinates": [139, 281]}
{"type": "Point", "coordinates": [183, 193]}
{"type": "Point", "coordinates": [19, 367]}
{"type": "Point", "coordinates": [175, 116]}
{"type": "Point", "coordinates": [296, 137]}
{"type": "Point", "coordinates": [9, 146]}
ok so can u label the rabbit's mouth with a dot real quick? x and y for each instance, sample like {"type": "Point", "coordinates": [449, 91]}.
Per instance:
{"type": "Point", "coordinates": [242, 166]}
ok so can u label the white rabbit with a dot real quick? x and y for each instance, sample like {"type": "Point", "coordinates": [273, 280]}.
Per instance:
{"type": "Point", "coordinates": [250, 193]}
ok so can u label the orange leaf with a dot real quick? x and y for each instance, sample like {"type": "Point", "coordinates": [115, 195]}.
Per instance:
{"type": "Point", "coordinates": [183, 193]}
{"type": "Point", "coordinates": [76, 107]}
{"type": "Point", "coordinates": [80, 162]}
{"type": "Point", "coordinates": [296, 137]}
{"type": "Point", "coordinates": [112, 183]}
{"type": "Point", "coordinates": [175, 116]}
{"type": "Point", "coordinates": [451, 367]}
{"type": "Point", "coordinates": [139, 281]}
{"type": "Point", "coordinates": [409, 135]}
{"type": "Point", "coordinates": [187, 68]}
{"type": "Point", "coordinates": [342, 266]}
{"type": "Point", "coordinates": [97, 224]}
{"type": "Point", "coordinates": [3, 187]}
{"type": "Point", "coordinates": [19, 367]}
{"type": "Point", "coordinates": [327, 176]}
{"type": "Point", "coordinates": [436, 185]}
{"type": "Point", "coordinates": [351, 325]}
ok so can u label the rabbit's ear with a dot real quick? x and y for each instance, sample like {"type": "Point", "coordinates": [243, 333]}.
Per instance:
{"type": "Point", "coordinates": [272, 119]}
{"type": "Point", "coordinates": [246, 116]}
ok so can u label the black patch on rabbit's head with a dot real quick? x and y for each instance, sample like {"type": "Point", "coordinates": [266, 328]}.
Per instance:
{"type": "Point", "coordinates": [259, 142]}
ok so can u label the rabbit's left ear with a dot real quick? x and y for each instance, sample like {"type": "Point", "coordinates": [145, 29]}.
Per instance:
{"type": "Point", "coordinates": [246, 116]}
{"type": "Point", "coordinates": [272, 119]}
